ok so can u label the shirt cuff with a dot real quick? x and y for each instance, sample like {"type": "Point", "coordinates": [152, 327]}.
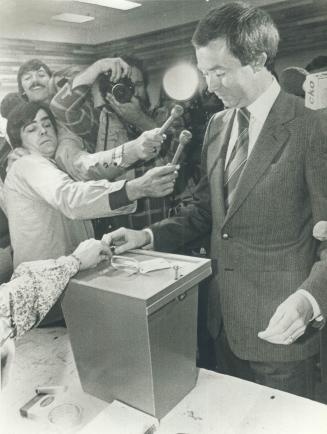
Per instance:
{"type": "Point", "coordinates": [317, 315]}
{"type": "Point", "coordinates": [149, 246]}
{"type": "Point", "coordinates": [119, 198]}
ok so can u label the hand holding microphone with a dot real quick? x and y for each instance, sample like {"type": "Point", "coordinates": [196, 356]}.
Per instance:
{"type": "Point", "coordinates": [175, 113]}
{"type": "Point", "coordinates": [184, 137]}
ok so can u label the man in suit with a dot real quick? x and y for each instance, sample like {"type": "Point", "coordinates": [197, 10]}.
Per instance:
{"type": "Point", "coordinates": [262, 191]}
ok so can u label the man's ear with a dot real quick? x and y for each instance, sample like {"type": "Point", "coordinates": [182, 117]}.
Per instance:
{"type": "Point", "coordinates": [259, 62]}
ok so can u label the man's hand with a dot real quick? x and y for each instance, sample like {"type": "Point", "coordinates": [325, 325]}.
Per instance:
{"type": "Point", "coordinates": [289, 320]}
{"type": "Point", "coordinates": [131, 112]}
{"type": "Point", "coordinates": [117, 67]}
{"type": "Point", "coordinates": [126, 239]}
{"type": "Point", "coordinates": [15, 155]}
{"type": "Point", "coordinates": [148, 144]}
{"type": "Point", "coordinates": [156, 182]}
{"type": "Point", "coordinates": [91, 252]}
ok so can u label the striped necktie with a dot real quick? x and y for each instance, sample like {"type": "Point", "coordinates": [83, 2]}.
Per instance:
{"type": "Point", "coordinates": [238, 157]}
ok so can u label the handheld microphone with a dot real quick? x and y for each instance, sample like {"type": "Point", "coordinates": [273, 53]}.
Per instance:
{"type": "Point", "coordinates": [184, 137]}
{"type": "Point", "coordinates": [176, 112]}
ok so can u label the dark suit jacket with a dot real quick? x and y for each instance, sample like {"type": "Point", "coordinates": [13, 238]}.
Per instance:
{"type": "Point", "coordinates": [262, 247]}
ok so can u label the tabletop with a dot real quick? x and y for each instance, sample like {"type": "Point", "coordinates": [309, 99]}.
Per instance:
{"type": "Point", "coordinates": [219, 404]}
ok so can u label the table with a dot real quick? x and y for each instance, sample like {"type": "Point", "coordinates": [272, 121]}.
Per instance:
{"type": "Point", "coordinates": [219, 404]}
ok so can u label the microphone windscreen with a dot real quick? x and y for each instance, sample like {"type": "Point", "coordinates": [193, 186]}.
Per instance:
{"type": "Point", "coordinates": [291, 80]}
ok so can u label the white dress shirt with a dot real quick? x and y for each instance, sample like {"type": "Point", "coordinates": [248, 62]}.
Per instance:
{"type": "Point", "coordinates": [259, 111]}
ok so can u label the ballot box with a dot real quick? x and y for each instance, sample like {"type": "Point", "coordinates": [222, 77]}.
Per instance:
{"type": "Point", "coordinates": [133, 333]}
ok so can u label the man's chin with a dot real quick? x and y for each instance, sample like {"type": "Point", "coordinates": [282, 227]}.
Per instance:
{"type": "Point", "coordinates": [228, 103]}
{"type": "Point", "coordinates": [38, 96]}
{"type": "Point", "coordinates": [49, 153]}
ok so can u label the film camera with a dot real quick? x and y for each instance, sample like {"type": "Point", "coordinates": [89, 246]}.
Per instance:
{"type": "Point", "coordinates": [122, 90]}
{"type": "Point", "coordinates": [315, 87]}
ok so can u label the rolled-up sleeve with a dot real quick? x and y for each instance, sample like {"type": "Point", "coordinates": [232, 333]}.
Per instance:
{"type": "Point", "coordinates": [72, 158]}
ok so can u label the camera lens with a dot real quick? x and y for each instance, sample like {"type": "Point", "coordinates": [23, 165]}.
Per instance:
{"type": "Point", "coordinates": [123, 90]}
{"type": "Point", "coordinates": [122, 93]}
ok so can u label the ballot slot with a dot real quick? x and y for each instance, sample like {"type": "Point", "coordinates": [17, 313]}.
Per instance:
{"type": "Point", "coordinates": [134, 340]}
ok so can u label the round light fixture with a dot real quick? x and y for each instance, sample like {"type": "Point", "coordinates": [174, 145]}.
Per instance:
{"type": "Point", "coordinates": [181, 82]}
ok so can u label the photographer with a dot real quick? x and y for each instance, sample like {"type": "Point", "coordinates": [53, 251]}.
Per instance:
{"type": "Point", "coordinates": [89, 106]}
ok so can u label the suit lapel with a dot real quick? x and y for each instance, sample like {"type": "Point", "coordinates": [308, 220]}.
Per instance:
{"type": "Point", "coordinates": [272, 138]}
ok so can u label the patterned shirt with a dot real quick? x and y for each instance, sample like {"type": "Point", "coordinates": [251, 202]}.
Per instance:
{"type": "Point", "coordinates": [33, 290]}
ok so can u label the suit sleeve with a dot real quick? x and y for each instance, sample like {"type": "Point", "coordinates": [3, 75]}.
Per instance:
{"type": "Point", "coordinates": [194, 220]}
{"type": "Point", "coordinates": [316, 171]}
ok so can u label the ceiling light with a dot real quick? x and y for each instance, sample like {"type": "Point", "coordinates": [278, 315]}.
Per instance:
{"type": "Point", "coordinates": [72, 18]}
{"type": "Point", "coordinates": [124, 5]}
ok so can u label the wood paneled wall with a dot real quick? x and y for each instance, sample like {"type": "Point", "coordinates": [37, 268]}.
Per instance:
{"type": "Point", "coordinates": [14, 52]}
{"type": "Point", "coordinates": [302, 26]}
{"type": "Point", "coordinates": [158, 49]}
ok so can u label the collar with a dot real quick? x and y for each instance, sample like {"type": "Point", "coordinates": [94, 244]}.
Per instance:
{"type": "Point", "coordinates": [261, 107]}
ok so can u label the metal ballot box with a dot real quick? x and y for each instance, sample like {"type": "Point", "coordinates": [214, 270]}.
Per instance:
{"type": "Point", "coordinates": [133, 336]}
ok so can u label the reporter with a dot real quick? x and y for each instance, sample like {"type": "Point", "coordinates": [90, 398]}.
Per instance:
{"type": "Point", "coordinates": [33, 290]}
{"type": "Point", "coordinates": [48, 211]}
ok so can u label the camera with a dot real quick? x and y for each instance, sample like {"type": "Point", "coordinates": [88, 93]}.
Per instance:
{"type": "Point", "coordinates": [122, 90]}
{"type": "Point", "coordinates": [315, 87]}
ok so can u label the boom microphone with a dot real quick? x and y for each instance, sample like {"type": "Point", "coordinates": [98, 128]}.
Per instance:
{"type": "Point", "coordinates": [176, 112]}
{"type": "Point", "coordinates": [292, 79]}
{"type": "Point", "coordinates": [184, 137]}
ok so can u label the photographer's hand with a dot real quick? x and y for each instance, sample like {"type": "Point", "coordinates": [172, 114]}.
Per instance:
{"type": "Point", "coordinates": [132, 113]}
{"type": "Point", "coordinates": [117, 67]}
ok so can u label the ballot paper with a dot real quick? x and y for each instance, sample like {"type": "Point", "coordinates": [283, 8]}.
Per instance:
{"type": "Point", "coordinates": [153, 265]}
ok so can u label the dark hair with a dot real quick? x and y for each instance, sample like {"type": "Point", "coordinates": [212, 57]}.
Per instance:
{"type": "Point", "coordinates": [318, 62]}
{"type": "Point", "coordinates": [138, 63]}
{"type": "Point", "coordinates": [8, 103]}
{"type": "Point", "coordinates": [248, 32]}
{"type": "Point", "coordinates": [22, 115]}
{"type": "Point", "coordinates": [30, 65]}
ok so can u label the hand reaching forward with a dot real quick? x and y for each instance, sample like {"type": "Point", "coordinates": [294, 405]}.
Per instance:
{"type": "Point", "coordinates": [126, 239]}
{"type": "Point", "coordinates": [156, 182]}
{"type": "Point", "coordinates": [148, 144]}
{"type": "Point", "coordinates": [91, 252]}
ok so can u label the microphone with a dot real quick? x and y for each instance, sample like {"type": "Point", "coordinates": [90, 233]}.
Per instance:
{"type": "Point", "coordinates": [184, 137]}
{"type": "Point", "coordinates": [176, 112]}
{"type": "Point", "coordinates": [292, 79]}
